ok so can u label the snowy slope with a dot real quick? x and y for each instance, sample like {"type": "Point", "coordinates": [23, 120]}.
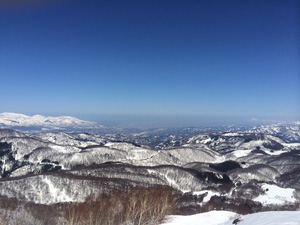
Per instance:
{"type": "Point", "coordinates": [270, 218]}
{"type": "Point", "coordinates": [225, 165]}
{"type": "Point", "coordinates": [276, 195]}
{"type": "Point", "coordinates": [208, 218]}
{"type": "Point", "coordinates": [227, 218]}
{"type": "Point", "coordinates": [20, 120]}
{"type": "Point", "coordinates": [288, 131]}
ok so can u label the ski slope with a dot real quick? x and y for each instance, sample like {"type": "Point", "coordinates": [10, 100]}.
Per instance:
{"type": "Point", "coordinates": [227, 218]}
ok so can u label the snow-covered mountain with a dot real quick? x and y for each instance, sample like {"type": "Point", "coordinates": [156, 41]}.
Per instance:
{"type": "Point", "coordinates": [288, 131]}
{"type": "Point", "coordinates": [242, 170]}
{"type": "Point", "coordinates": [20, 120]}
{"type": "Point", "coordinates": [238, 164]}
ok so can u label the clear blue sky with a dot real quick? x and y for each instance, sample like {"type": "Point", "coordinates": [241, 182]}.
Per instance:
{"type": "Point", "coordinates": [155, 57]}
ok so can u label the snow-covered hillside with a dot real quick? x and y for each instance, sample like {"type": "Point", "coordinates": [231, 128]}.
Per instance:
{"type": "Point", "coordinates": [219, 163]}
{"type": "Point", "coordinates": [20, 120]}
{"type": "Point", "coordinates": [276, 195]}
{"type": "Point", "coordinates": [239, 171]}
{"type": "Point", "coordinates": [228, 218]}
{"type": "Point", "coordinates": [208, 218]}
{"type": "Point", "coordinates": [288, 131]}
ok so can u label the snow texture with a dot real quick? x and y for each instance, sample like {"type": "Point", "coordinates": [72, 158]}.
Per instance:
{"type": "Point", "coordinates": [19, 120]}
{"type": "Point", "coordinates": [208, 218]}
{"type": "Point", "coordinates": [227, 218]}
{"type": "Point", "coordinates": [276, 195]}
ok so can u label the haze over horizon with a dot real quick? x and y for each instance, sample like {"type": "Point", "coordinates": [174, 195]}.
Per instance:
{"type": "Point", "coordinates": [151, 62]}
{"type": "Point", "coordinates": [134, 120]}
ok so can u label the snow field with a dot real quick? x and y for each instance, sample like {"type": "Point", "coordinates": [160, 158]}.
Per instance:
{"type": "Point", "coordinates": [227, 218]}
{"type": "Point", "coordinates": [276, 195]}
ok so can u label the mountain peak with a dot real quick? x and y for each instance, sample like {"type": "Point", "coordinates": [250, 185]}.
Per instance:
{"type": "Point", "coordinates": [21, 120]}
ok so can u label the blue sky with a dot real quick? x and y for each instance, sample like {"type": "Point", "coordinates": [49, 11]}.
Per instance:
{"type": "Point", "coordinates": [150, 58]}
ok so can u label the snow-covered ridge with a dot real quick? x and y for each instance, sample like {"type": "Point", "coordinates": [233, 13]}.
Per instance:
{"type": "Point", "coordinates": [21, 120]}
{"type": "Point", "coordinates": [235, 167]}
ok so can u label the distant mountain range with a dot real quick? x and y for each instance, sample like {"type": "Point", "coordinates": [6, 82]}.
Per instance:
{"type": "Point", "coordinates": [239, 169]}
{"type": "Point", "coordinates": [235, 165]}
{"type": "Point", "coordinates": [19, 120]}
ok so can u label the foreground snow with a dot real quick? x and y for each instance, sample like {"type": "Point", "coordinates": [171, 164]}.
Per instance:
{"type": "Point", "coordinates": [208, 218]}
{"type": "Point", "coordinates": [270, 218]}
{"type": "Point", "coordinates": [226, 218]}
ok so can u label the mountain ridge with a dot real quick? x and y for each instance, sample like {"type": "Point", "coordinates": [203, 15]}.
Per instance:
{"type": "Point", "coordinates": [8, 119]}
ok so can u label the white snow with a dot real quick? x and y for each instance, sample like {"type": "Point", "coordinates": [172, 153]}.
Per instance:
{"type": "Point", "coordinates": [253, 144]}
{"type": "Point", "coordinates": [291, 145]}
{"type": "Point", "coordinates": [15, 119]}
{"type": "Point", "coordinates": [230, 134]}
{"type": "Point", "coordinates": [226, 218]}
{"type": "Point", "coordinates": [208, 196]}
{"type": "Point", "coordinates": [58, 195]}
{"type": "Point", "coordinates": [269, 218]}
{"type": "Point", "coordinates": [276, 195]}
{"type": "Point", "coordinates": [278, 152]}
{"type": "Point", "coordinates": [241, 153]}
{"type": "Point", "coordinates": [204, 141]}
{"type": "Point", "coordinates": [208, 218]}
